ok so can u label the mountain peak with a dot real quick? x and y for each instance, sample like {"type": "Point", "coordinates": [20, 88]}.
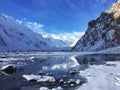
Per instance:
{"type": "Point", "coordinates": [115, 10]}
{"type": "Point", "coordinates": [14, 36]}
{"type": "Point", "coordinates": [102, 33]}
{"type": "Point", "coordinates": [116, 6]}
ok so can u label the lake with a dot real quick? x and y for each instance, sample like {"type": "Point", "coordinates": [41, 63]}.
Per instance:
{"type": "Point", "coordinates": [60, 65]}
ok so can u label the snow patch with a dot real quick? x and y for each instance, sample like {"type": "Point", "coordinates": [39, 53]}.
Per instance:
{"type": "Point", "coordinates": [39, 78]}
{"type": "Point", "coordinates": [46, 79]}
{"type": "Point", "coordinates": [31, 77]}
{"type": "Point", "coordinates": [101, 77]}
{"type": "Point", "coordinates": [45, 88]}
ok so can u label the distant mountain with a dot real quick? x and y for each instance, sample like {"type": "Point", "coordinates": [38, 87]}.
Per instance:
{"type": "Point", "coordinates": [102, 33]}
{"type": "Point", "coordinates": [13, 36]}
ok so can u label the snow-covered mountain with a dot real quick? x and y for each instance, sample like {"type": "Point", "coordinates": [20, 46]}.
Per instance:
{"type": "Point", "coordinates": [102, 33]}
{"type": "Point", "coordinates": [14, 36]}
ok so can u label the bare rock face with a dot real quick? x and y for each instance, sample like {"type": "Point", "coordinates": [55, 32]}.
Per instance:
{"type": "Point", "coordinates": [102, 33]}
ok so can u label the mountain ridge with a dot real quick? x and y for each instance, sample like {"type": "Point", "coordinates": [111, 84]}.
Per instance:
{"type": "Point", "coordinates": [13, 36]}
{"type": "Point", "coordinates": [102, 33]}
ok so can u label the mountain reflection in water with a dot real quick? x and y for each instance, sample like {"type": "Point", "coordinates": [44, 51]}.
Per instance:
{"type": "Point", "coordinates": [59, 65]}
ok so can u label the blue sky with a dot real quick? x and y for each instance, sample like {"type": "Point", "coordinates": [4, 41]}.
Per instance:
{"type": "Point", "coordinates": [56, 16]}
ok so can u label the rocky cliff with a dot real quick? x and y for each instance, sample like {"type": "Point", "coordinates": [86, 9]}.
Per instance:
{"type": "Point", "coordinates": [102, 33]}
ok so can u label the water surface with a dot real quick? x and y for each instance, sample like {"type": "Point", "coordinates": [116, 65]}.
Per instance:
{"type": "Point", "coordinates": [58, 63]}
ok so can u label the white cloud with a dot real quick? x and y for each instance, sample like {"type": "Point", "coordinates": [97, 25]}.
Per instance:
{"type": "Point", "coordinates": [36, 27]}
{"type": "Point", "coordinates": [19, 21]}
{"type": "Point", "coordinates": [71, 38]}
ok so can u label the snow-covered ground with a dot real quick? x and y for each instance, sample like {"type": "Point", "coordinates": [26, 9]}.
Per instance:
{"type": "Point", "coordinates": [102, 77]}
{"type": "Point", "coordinates": [111, 50]}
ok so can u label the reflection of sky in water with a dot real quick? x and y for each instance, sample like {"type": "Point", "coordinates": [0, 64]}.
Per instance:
{"type": "Point", "coordinates": [61, 63]}
{"type": "Point", "coordinates": [57, 64]}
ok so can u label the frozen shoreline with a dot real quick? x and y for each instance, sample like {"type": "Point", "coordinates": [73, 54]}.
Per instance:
{"type": "Point", "coordinates": [102, 77]}
{"type": "Point", "coordinates": [101, 69]}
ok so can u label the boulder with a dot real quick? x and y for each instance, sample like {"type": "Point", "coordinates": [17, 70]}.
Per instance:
{"type": "Point", "coordinates": [31, 77]}
{"type": "Point", "coordinates": [43, 79]}
{"type": "Point", "coordinates": [47, 80]}
{"type": "Point", "coordinates": [9, 69]}
{"type": "Point", "coordinates": [33, 58]}
{"type": "Point", "coordinates": [73, 72]}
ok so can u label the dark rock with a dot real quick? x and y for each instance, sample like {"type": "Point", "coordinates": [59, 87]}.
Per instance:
{"type": "Point", "coordinates": [3, 56]}
{"type": "Point", "coordinates": [49, 74]}
{"type": "Point", "coordinates": [71, 81]}
{"type": "Point", "coordinates": [73, 72]}
{"type": "Point", "coordinates": [9, 69]}
{"type": "Point", "coordinates": [92, 23]}
{"type": "Point", "coordinates": [33, 58]}
{"type": "Point", "coordinates": [61, 82]}
{"type": "Point", "coordinates": [42, 73]}
{"type": "Point", "coordinates": [48, 83]}
{"type": "Point", "coordinates": [64, 76]}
